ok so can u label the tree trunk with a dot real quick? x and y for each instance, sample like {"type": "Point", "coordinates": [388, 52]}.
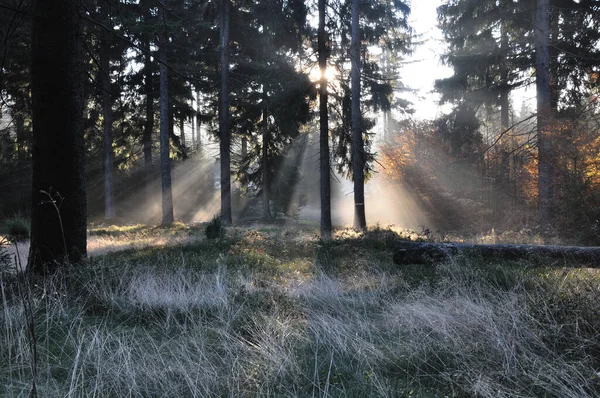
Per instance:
{"type": "Point", "coordinates": [19, 120]}
{"type": "Point", "coordinates": [165, 121]}
{"type": "Point", "coordinates": [244, 148]}
{"type": "Point", "coordinates": [324, 127]}
{"type": "Point", "coordinates": [224, 133]}
{"type": "Point", "coordinates": [193, 123]}
{"type": "Point", "coordinates": [501, 187]}
{"type": "Point", "coordinates": [553, 58]}
{"type": "Point", "coordinates": [59, 207]}
{"type": "Point", "coordinates": [386, 112]}
{"type": "Point", "coordinates": [545, 189]}
{"type": "Point", "coordinates": [149, 123]}
{"type": "Point", "coordinates": [182, 132]}
{"type": "Point", "coordinates": [265, 164]}
{"type": "Point", "coordinates": [107, 116]}
{"type": "Point", "coordinates": [429, 253]}
{"type": "Point", "coordinates": [358, 150]}
{"type": "Point", "coordinates": [198, 122]}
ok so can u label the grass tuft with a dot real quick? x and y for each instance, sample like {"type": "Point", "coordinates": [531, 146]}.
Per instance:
{"type": "Point", "coordinates": [17, 228]}
{"type": "Point", "coordinates": [279, 313]}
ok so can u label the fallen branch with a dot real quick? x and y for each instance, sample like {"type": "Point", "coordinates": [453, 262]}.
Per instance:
{"type": "Point", "coordinates": [407, 252]}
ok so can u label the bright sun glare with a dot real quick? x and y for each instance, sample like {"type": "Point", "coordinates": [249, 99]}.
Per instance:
{"type": "Point", "coordinates": [315, 74]}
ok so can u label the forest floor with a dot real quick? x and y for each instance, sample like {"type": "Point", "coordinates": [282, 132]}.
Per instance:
{"type": "Point", "coordinates": [274, 311]}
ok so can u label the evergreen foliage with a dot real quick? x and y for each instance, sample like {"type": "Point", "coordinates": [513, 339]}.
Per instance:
{"type": "Point", "coordinates": [214, 229]}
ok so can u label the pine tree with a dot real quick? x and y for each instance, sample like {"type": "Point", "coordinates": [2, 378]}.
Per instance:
{"type": "Point", "coordinates": [165, 120]}
{"type": "Point", "coordinates": [107, 117]}
{"type": "Point", "coordinates": [224, 122]}
{"type": "Point", "coordinates": [543, 94]}
{"type": "Point", "coordinates": [325, 168]}
{"type": "Point", "coordinates": [58, 219]}
{"type": "Point", "coordinates": [358, 158]}
{"type": "Point", "coordinates": [382, 24]}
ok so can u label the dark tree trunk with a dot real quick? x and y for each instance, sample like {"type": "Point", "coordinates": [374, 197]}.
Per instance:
{"type": "Point", "coordinates": [193, 123]}
{"type": "Point", "coordinates": [149, 123]}
{"type": "Point", "coordinates": [59, 207]}
{"type": "Point", "coordinates": [244, 147]}
{"type": "Point", "coordinates": [430, 253]}
{"type": "Point", "coordinates": [182, 131]}
{"type": "Point", "coordinates": [198, 122]}
{"type": "Point", "coordinates": [19, 120]}
{"type": "Point", "coordinates": [553, 58]}
{"type": "Point", "coordinates": [542, 35]}
{"type": "Point", "coordinates": [504, 175]}
{"type": "Point", "coordinates": [358, 150]}
{"type": "Point", "coordinates": [386, 112]}
{"type": "Point", "coordinates": [324, 127]}
{"type": "Point", "coordinates": [224, 133]}
{"type": "Point", "coordinates": [165, 122]}
{"type": "Point", "coordinates": [107, 116]}
{"type": "Point", "coordinates": [265, 165]}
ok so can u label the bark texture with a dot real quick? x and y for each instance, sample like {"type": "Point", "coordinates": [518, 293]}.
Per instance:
{"type": "Point", "coordinates": [165, 147]}
{"type": "Point", "coordinates": [149, 123]}
{"type": "Point", "coordinates": [59, 207]}
{"type": "Point", "coordinates": [224, 125]}
{"type": "Point", "coordinates": [107, 115]}
{"type": "Point", "coordinates": [198, 121]}
{"type": "Point", "coordinates": [542, 80]}
{"type": "Point", "coordinates": [429, 253]}
{"type": "Point", "coordinates": [324, 127]}
{"type": "Point", "coordinates": [265, 165]}
{"type": "Point", "coordinates": [358, 150]}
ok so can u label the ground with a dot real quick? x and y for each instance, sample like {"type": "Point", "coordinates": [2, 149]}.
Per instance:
{"type": "Point", "coordinates": [274, 311]}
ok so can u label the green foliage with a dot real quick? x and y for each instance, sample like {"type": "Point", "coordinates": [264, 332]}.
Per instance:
{"type": "Point", "coordinates": [214, 229]}
{"type": "Point", "coordinates": [17, 228]}
{"type": "Point", "coordinates": [578, 210]}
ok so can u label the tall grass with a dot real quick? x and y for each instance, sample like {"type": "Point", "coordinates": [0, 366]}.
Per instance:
{"type": "Point", "coordinates": [170, 328]}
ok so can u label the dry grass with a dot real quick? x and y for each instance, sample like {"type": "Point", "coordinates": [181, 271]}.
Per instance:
{"type": "Point", "coordinates": [275, 312]}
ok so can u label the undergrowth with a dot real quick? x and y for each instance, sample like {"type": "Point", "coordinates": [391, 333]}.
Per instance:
{"type": "Point", "coordinates": [280, 313]}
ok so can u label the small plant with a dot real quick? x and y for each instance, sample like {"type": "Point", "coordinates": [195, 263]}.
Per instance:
{"type": "Point", "coordinates": [214, 229]}
{"type": "Point", "coordinates": [17, 228]}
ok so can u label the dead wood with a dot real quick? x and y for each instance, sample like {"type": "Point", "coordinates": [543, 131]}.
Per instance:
{"type": "Point", "coordinates": [407, 252]}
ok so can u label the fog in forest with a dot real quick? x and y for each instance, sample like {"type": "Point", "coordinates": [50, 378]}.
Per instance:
{"type": "Point", "coordinates": [196, 194]}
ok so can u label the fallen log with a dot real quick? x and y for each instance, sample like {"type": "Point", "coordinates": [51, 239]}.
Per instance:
{"type": "Point", "coordinates": [407, 252]}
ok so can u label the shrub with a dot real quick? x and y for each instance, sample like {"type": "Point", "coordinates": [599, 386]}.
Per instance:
{"type": "Point", "coordinates": [214, 229]}
{"type": "Point", "coordinates": [17, 228]}
{"type": "Point", "coordinates": [4, 255]}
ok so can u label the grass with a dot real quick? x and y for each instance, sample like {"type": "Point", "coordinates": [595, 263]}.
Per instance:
{"type": "Point", "coordinates": [276, 312]}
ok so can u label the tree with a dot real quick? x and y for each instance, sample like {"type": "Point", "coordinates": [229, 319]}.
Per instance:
{"type": "Point", "coordinates": [165, 119]}
{"type": "Point", "coordinates": [325, 177]}
{"type": "Point", "coordinates": [224, 124]}
{"type": "Point", "coordinates": [358, 157]}
{"type": "Point", "coordinates": [59, 216]}
{"type": "Point", "coordinates": [542, 79]}
{"type": "Point", "coordinates": [271, 96]}
{"type": "Point", "coordinates": [383, 25]}
{"type": "Point", "coordinates": [15, 103]}
{"type": "Point", "coordinates": [107, 116]}
{"type": "Point", "coordinates": [149, 119]}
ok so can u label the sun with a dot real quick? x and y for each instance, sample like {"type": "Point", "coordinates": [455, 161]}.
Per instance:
{"type": "Point", "coordinates": [315, 74]}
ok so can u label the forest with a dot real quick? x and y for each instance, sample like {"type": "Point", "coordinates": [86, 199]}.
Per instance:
{"type": "Point", "coordinates": [288, 198]}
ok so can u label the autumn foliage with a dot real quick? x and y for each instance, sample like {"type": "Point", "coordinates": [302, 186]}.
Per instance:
{"type": "Point", "coordinates": [493, 182]}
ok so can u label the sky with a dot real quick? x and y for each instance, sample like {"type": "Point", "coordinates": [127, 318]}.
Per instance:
{"type": "Point", "coordinates": [424, 65]}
